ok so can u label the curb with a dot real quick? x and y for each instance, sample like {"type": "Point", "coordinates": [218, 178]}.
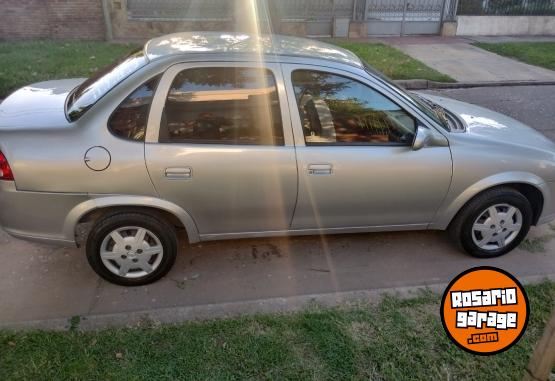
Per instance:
{"type": "Point", "coordinates": [153, 318]}
{"type": "Point", "coordinates": [423, 84]}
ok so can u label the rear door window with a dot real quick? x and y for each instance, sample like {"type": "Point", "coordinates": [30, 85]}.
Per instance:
{"type": "Point", "coordinates": [222, 105]}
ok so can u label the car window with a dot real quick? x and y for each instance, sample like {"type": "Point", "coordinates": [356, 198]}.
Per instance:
{"type": "Point", "coordinates": [101, 82]}
{"type": "Point", "coordinates": [130, 118]}
{"type": "Point", "coordinates": [338, 110]}
{"type": "Point", "coordinates": [223, 106]}
{"type": "Point", "coordinates": [435, 112]}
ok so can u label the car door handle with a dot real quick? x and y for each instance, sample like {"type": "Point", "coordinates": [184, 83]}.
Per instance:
{"type": "Point", "coordinates": [320, 169]}
{"type": "Point", "coordinates": [179, 173]}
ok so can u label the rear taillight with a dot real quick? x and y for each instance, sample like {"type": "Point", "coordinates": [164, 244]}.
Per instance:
{"type": "Point", "coordinates": [5, 170]}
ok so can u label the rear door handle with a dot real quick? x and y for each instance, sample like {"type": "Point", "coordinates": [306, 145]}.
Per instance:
{"type": "Point", "coordinates": [320, 169]}
{"type": "Point", "coordinates": [179, 173]}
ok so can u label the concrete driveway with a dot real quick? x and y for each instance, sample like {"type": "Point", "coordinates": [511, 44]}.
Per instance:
{"type": "Point", "coordinates": [42, 282]}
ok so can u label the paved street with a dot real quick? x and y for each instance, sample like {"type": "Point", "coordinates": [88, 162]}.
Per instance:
{"type": "Point", "coordinates": [533, 105]}
{"type": "Point", "coordinates": [44, 282]}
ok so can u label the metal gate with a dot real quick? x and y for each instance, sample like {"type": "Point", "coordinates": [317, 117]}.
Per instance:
{"type": "Point", "coordinates": [319, 15]}
{"type": "Point", "coordinates": [321, 18]}
{"type": "Point", "coordinates": [402, 17]}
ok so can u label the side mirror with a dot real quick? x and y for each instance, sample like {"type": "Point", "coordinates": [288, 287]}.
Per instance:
{"type": "Point", "coordinates": [423, 136]}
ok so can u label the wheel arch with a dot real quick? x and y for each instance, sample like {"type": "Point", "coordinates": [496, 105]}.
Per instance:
{"type": "Point", "coordinates": [530, 185]}
{"type": "Point", "coordinates": [97, 207]}
{"type": "Point", "coordinates": [534, 196]}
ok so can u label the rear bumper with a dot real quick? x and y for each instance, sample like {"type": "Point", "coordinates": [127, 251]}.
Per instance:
{"type": "Point", "coordinates": [37, 216]}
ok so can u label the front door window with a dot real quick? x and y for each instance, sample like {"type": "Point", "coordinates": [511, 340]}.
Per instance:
{"type": "Point", "coordinates": [338, 110]}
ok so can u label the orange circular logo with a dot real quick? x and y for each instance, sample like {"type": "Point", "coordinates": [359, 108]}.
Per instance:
{"type": "Point", "coordinates": [485, 310]}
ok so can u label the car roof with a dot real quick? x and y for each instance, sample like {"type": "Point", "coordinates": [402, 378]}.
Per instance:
{"type": "Point", "coordinates": [238, 43]}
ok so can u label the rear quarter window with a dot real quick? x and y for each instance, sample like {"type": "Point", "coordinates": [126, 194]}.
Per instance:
{"type": "Point", "coordinates": [129, 120]}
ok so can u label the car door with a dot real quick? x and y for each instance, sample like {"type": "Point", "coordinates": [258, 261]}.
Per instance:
{"type": "Point", "coordinates": [356, 164]}
{"type": "Point", "coordinates": [219, 144]}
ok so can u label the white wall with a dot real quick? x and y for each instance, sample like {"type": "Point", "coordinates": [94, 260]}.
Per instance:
{"type": "Point", "coordinates": [505, 25]}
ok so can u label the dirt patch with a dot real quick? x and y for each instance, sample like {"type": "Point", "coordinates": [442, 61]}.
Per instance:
{"type": "Point", "coordinates": [361, 332]}
{"type": "Point", "coordinates": [266, 251]}
{"type": "Point", "coordinates": [257, 329]}
{"type": "Point", "coordinates": [259, 252]}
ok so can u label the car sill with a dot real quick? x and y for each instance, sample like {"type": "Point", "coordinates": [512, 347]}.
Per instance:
{"type": "Point", "coordinates": [298, 232]}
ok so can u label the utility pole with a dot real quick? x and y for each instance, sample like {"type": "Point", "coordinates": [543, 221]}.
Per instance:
{"type": "Point", "coordinates": [107, 20]}
{"type": "Point", "coordinates": [274, 16]}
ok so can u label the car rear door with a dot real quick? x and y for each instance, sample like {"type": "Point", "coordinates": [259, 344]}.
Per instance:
{"type": "Point", "coordinates": [219, 144]}
{"type": "Point", "coordinates": [357, 168]}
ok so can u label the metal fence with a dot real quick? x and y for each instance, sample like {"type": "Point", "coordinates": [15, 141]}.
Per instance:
{"type": "Point", "coordinates": [299, 10]}
{"type": "Point", "coordinates": [505, 7]}
{"type": "Point", "coordinates": [314, 11]}
{"type": "Point", "coordinates": [413, 10]}
{"type": "Point", "coordinates": [450, 12]}
{"type": "Point", "coordinates": [188, 10]}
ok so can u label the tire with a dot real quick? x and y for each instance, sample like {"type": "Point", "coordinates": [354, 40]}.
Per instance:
{"type": "Point", "coordinates": [466, 228]}
{"type": "Point", "coordinates": [120, 253]}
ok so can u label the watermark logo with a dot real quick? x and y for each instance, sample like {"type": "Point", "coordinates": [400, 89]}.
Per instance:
{"type": "Point", "coordinates": [485, 310]}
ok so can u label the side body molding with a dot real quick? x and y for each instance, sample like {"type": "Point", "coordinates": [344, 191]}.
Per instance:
{"type": "Point", "coordinates": [103, 201]}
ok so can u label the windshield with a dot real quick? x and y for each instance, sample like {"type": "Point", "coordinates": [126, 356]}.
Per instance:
{"type": "Point", "coordinates": [435, 112]}
{"type": "Point", "coordinates": [100, 83]}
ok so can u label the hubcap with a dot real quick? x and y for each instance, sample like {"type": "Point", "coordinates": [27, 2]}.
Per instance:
{"type": "Point", "coordinates": [131, 252]}
{"type": "Point", "coordinates": [496, 227]}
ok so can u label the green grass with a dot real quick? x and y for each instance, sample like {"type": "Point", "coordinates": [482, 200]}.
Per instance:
{"type": "Point", "coordinates": [535, 244]}
{"type": "Point", "coordinates": [393, 340]}
{"type": "Point", "coordinates": [538, 244]}
{"type": "Point", "coordinates": [22, 63]}
{"type": "Point", "coordinates": [534, 53]}
{"type": "Point", "coordinates": [392, 62]}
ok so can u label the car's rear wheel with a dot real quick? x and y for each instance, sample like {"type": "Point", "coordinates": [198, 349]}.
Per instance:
{"type": "Point", "coordinates": [132, 249]}
{"type": "Point", "coordinates": [493, 223]}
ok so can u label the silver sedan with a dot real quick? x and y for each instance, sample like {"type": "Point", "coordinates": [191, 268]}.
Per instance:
{"type": "Point", "coordinates": [233, 136]}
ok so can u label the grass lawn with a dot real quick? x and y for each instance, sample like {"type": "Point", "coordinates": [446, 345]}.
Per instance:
{"type": "Point", "coordinates": [22, 63]}
{"type": "Point", "coordinates": [534, 53]}
{"type": "Point", "coordinates": [393, 340]}
{"type": "Point", "coordinates": [392, 62]}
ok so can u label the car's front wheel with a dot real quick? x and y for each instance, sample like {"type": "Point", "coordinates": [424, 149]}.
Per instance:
{"type": "Point", "coordinates": [493, 223]}
{"type": "Point", "coordinates": [132, 249]}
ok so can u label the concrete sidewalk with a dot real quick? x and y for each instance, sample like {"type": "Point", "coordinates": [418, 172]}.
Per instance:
{"type": "Point", "coordinates": [464, 62]}
{"type": "Point", "coordinates": [216, 279]}
{"type": "Point", "coordinates": [501, 39]}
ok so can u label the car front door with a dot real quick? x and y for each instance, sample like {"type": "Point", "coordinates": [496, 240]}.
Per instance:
{"type": "Point", "coordinates": [357, 168]}
{"type": "Point", "coordinates": [220, 145]}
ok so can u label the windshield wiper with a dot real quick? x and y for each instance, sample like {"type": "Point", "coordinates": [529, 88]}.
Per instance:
{"type": "Point", "coordinates": [440, 112]}
{"type": "Point", "coordinates": [436, 109]}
